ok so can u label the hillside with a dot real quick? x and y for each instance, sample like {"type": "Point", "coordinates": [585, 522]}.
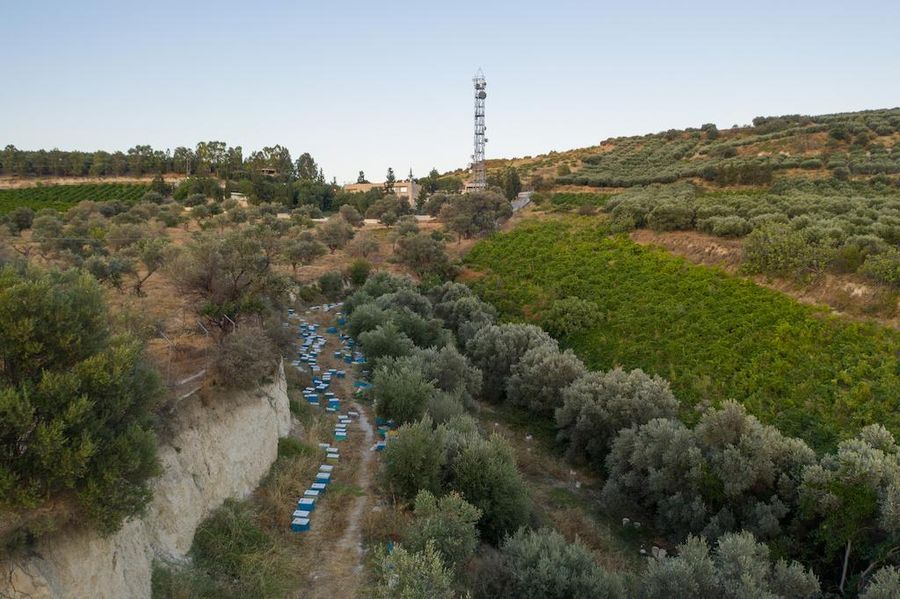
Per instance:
{"type": "Point", "coordinates": [792, 145]}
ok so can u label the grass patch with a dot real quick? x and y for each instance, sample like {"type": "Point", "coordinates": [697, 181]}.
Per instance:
{"type": "Point", "coordinates": [712, 335]}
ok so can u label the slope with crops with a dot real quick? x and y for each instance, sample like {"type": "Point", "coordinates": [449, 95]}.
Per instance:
{"type": "Point", "coordinates": [714, 336]}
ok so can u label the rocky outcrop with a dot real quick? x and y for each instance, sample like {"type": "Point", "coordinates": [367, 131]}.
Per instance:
{"type": "Point", "coordinates": [216, 451]}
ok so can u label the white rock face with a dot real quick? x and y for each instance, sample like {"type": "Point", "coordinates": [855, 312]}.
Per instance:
{"type": "Point", "coordinates": [216, 452]}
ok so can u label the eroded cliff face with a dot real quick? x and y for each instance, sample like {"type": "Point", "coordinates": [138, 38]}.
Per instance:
{"type": "Point", "coordinates": [217, 451]}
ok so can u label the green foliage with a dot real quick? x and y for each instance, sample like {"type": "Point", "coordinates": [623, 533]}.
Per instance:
{"type": "Point", "coordinates": [385, 341]}
{"type": "Point", "coordinates": [474, 214]}
{"type": "Point", "coordinates": [496, 349]}
{"type": "Point", "coordinates": [778, 249]}
{"type": "Point", "coordinates": [599, 404]}
{"type": "Point", "coordinates": [401, 392]}
{"type": "Point", "coordinates": [244, 358]}
{"type": "Point", "coordinates": [486, 475]}
{"type": "Point", "coordinates": [738, 567]}
{"type": "Point", "coordinates": [424, 255]}
{"type": "Point", "coordinates": [358, 272]}
{"type": "Point", "coordinates": [62, 197]}
{"type": "Point", "coordinates": [331, 284]}
{"type": "Point", "coordinates": [335, 233]}
{"type": "Point", "coordinates": [404, 574]}
{"type": "Point", "coordinates": [413, 459]}
{"type": "Point", "coordinates": [543, 565]}
{"type": "Point", "coordinates": [537, 381]}
{"type": "Point", "coordinates": [570, 315]}
{"type": "Point", "coordinates": [75, 403]}
{"type": "Point", "coordinates": [884, 267]}
{"type": "Point", "coordinates": [449, 523]}
{"type": "Point", "coordinates": [711, 335]}
{"type": "Point", "coordinates": [885, 584]}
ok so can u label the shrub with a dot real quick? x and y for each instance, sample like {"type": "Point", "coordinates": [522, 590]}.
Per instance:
{"type": "Point", "coordinates": [351, 215]}
{"type": "Point", "coordinates": [738, 567]}
{"type": "Point", "coordinates": [777, 249]}
{"type": "Point", "coordinates": [335, 233]}
{"type": "Point", "coordinates": [451, 372]}
{"type": "Point", "coordinates": [569, 316]}
{"type": "Point", "coordinates": [496, 349]}
{"type": "Point", "coordinates": [413, 459]}
{"type": "Point", "coordinates": [403, 574]}
{"type": "Point", "coordinates": [449, 523]}
{"type": "Point", "coordinates": [331, 284]}
{"type": "Point", "coordinates": [538, 380]}
{"type": "Point", "coordinates": [465, 316]}
{"type": "Point", "coordinates": [424, 255]}
{"type": "Point", "coordinates": [400, 392]}
{"type": "Point", "coordinates": [366, 317]}
{"type": "Point", "coordinates": [20, 219]}
{"type": "Point", "coordinates": [599, 404]}
{"type": "Point", "coordinates": [670, 217]}
{"type": "Point", "coordinates": [362, 245]}
{"type": "Point", "coordinates": [443, 407]}
{"type": "Point", "coordinates": [543, 565]}
{"type": "Point", "coordinates": [244, 358]}
{"type": "Point", "coordinates": [725, 226]}
{"type": "Point", "coordinates": [485, 474]}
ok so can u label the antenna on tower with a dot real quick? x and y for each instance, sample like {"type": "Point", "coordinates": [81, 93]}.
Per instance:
{"type": "Point", "coordinates": [479, 172]}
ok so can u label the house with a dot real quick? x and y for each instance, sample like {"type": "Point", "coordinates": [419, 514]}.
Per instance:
{"type": "Point", "coordinates": [405, 189]}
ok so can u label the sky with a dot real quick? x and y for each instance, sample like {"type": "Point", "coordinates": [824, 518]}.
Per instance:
{"type": "Point", "coordinates": [364, 85]}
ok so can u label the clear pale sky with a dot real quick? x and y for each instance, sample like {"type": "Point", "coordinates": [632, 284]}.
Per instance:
{"type": "Point", "coordinates": [368, 84]}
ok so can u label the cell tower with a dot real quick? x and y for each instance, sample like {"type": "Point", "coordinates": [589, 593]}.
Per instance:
{"type": "Point", "coordinates": [479, 174]}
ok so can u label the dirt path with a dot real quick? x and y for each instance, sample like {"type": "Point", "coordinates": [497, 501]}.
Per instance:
{"type": "Point", "coordinates": [336, 535]}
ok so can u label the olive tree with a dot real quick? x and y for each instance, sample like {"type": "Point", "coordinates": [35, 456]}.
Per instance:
{"type": "Point", "coordinates": [885, 584]}
{"type": "Point", "coordinates": [738, 567]}
{"type": "Point", "coordinates": [541, 564]}
{"type": "Point", "coordinates": [449, 522]}
{"type": "Point", "coordinates": [400, 392]}
{"type": "Point", "coordinates": [335, 233]}
{"type": "Point", "coordinates": [599, 404]}
{"type": "Point", "coordinates": [414, 458]}
{"type": "Point", "coordinates": [538, 380]}
{"type": "Point", "coordinates": [385, 341]}
{"type": "Point", "coordinates": [496, 349]}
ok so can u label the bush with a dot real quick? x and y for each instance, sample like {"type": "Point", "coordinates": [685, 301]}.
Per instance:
{"type": "Point", "coordinates": [884, 267]}
{"type": "Point", "coordinates": [451, 372]}
{"type": "Point", "coordinates": [351, 215]}
{"type": "Point", "coordinates": [403, 574]}
{"type": "Point", "coordinates": [244, 358]}
{"type": "Point", "coordinates": [543, 565]}
{"type": "Point", "coordinates": [599, 404]}
{"type": "Point", "coordinates": [569, 316]}
{"type": "Point", "coordinates": [366, 317]}
{"type": "Point", "coordinates": [485, 474]}
{"type": "Point", "coordinates": [75, 404]}
{"type": "Point", "coordinates": [671, 217]}
{"type": "Point", "coordinates": [739, 567]}
{"type": "Point", "coordinates": [496, 349]}
{"type": "Point", "coordinates": [413, 459]}
{"type": "Point", "coordinates": [401, 392]}
{"type": "Point", "coordinates": [443, 407]}
{"type": "Point", "coordinates": [424, 255]}
{"type": "Point", "coordinates": [449, 523]}
{"type": "Point", "coordinates": [537, 381]}
{"type": "Point", "coordinates": [358, 272]}
{"type": "Point", "coordinates": [778, 249]}
{"type": "Point", "coordinates": [331, 284]}
{"type": "Point", "coordinates": [725, 226]}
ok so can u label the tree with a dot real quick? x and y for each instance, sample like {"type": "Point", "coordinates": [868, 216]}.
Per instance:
{"type": "Point", "coordinates": [570, 315]}
{"type": "Point", "coordinates": [335, 233]}
{"type": "Point", "coordinates": [331, 284]}
{"type": "Point", "coordinates": [424, 255]}
{"type": "Point", "coordinates": [449, 523]}
{"type": "Point", "coordinates": [361, 178]}
{"type": "Point", "coordinates": [854, 494]}
{"type": "Point", "coordinates": [402, 574]}
{"type": "Point", "coordinates": [358, 272]}
{"type": "Point", "coordinates": [385, 340]}
{"type": "Point", "coordinates": [485, 474]}
{"type": "Point", "coordinates": [151, 253]}
{"type": "Point", "coordinates": [76, 424]}
{"type": "Point", "coordinates": [245, 358]}
{"type": "Point", "coordinates": [400, 393]}
{"type": "Point", "coordinates": [739, 567]}
{"type": "Point", "coordinates": [885, 584]}
{"type": "Point", "coordinates": [541, 564]}
{"type": "Point", "coordinates": [20, 219]}
{"type": "Point", "coordinates": [451, 372]}
{"type": "Point", "coordinates": [389, 181]}
{"type": "Point", "coordinates": [510, 182]}
{"type": "Point", "coordinates": [599, 404]}
{"type": "Point", "coordinates": [414, 458]}
{"type": "Point", "coordinates": [496, 349]}
{"type": "Point", "coordinates": [350, 214]}
{"type": "Point", "coordinates": [307, 169]}
{"type": "Point", "coordinates": [362, 245]}
{"type": "Point", "coordinates": [303, 249]}
{"type": "Point", "coordinates": [537, 381]}
{"type": "Point", "coordinates": [475, 213]}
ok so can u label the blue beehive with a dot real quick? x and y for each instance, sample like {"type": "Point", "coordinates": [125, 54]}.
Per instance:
{"type": "Point", "coordinates": [380, 446]}
{"type": "Point", "coordinates": [332, 330]}
{"type": "Point", "coordinates": [300, 524]}
{"type": "Point", "coordinates": [310, 494]}
{"type": "Point", "coordinates": [326, 468]}
{"type": "Point", "coordinates": [323, 478]}
{"type": "Point", "coordinates": [306, 504]}
{"type": "Point", "coordinates": [319, 487]}
{"type": "Point", "coordinates": [300, 514]}
{"type": "Point", "coordinates": [341, 374]}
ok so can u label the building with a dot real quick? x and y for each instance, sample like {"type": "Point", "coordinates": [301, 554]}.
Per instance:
{"type": "Point", "coordinates": [405, 189]}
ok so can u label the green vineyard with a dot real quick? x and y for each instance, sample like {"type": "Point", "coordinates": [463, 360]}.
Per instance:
{"type": "Point", "coordinates": [62, 197]}
{"type": "Point", "coordinates": [712, 335]}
